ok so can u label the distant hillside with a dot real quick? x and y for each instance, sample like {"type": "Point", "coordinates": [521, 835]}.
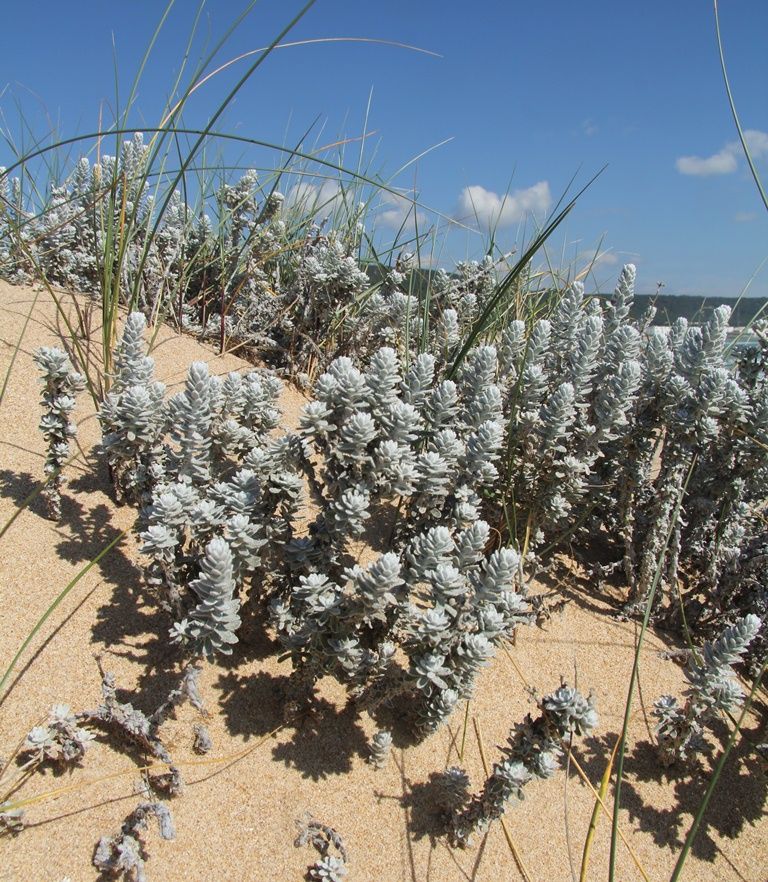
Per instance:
{"type": "Point", "coordinates": [698, 309]}
{"type": "Point", "coordinates": [668, 306]}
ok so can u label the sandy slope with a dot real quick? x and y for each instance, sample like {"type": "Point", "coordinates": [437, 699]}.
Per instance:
{"type": "Point", "coordinates": [235, 820]}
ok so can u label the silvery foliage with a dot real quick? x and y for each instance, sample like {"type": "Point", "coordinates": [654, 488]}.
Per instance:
{"type": "Point", "coordinates": [443, 601]}
{"type": "Point", "coordinates": [725, 535]}
{"type": "Point", "coordinates": [210, 626]}
{"type": "Point", "coordinates": [123, 854]}
{"type": "Point", "coordinates": [135, 727]}
{"type": "Point", "coordinates": [453, 791]}
{"type": "Point", "coordinates": [11, 820]}
{"type": "Point", "coordinates": [68, 237]}
{"type": "Point", "coordinates": [231, 286]}
{"type": "Point", "coordinates": [202, 743]}
{"type": "Point", "coordinates": [378, 438]}
{"type": "Point", "coordinates": [532, 751]}
{"type": "Point", "coordinates": [60, 385]}
{"type": "Point", "coordinates": [692, 479]}
{"type": "Point", "coordinates": [329, 867]}
{"type": "Point", "coordinates": [215, 488]}
{"type": "Point", "coordinates": [466, 290]}
{"type": "Point", "coordinates": [261, 272]}
{"type": "Point", "coordinates": [60, 740]}
{"type": "Point", "coordinates": [377, 435]}
{"type": "Point", "coordinates": [380, 749]}
{"type": "Point", "coordinates": [743, 588]}
{"type": "Point", "coordinates": [570, 388]}
{"type": "Point", "coordinates": [712, 688]}
{"type": "Point", "coordinates": [697, 404]}
{"type": "Point", "coordinates": [610, 420]}
{"type": "Point", "coordinates": [15, 238]}
{"type": "Point", "coordinates": [134, 418]}
{"type": "Point", "coordinates": [254, 507]}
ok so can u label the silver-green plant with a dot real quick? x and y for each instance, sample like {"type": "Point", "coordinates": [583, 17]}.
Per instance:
{"type": "Point", "coordinates": [442, 600]}
{"type": "Point", "coordinates": [60, 740]}
{"type": "Point", "coordinates": [210, 626]}
{"type": "Point", "coordinates": [712, 689]}
{"type": "Point", "coordinates": [134, 418]}
{"type": "Point", "coordinates": [424, 449]}
{"type": "Point", "coordinates": [532, 751]}
{"type": "Point", "coordinates": [381, 747]}
{"type": "Point", "coordinates": [123, 854]}
{"type": "Point", "coordinates": [60, 385]}
{"type": "Point", "coordinates": [329, 867]}
{"type": "Point", "coordinates": [205, 515]}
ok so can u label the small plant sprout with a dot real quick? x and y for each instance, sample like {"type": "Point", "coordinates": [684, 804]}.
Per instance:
{"type": "Point", "coordinates": [533, 751]}
{"type": "Point", "coordinates": [123, 854]}
{"type": "Point", "coordinates": [329, 867]}
{"type": "Point", "coordinates": [60, 385]}
{"type": "Point", "coordinates": [59, 741]}
{"type": "Point", "coordinates": [380, 749]}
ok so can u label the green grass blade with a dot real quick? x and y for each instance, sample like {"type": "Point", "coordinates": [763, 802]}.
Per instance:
{"type": "Point", "coordinates": [691, 836]}
{"type": "Point", "coordinates": [735, 115]}
{"type": "Point", "coordinates": [507, 284]}
{"type": "Point", "coordinates": [17, 347]}
{"type": "Point", "coordinates": [46, 615]}
{"type": "Point", "coordinates": [633, 678]}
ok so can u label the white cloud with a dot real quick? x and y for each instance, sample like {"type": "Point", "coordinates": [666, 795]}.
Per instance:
{"type": "Point", "coordinates": [725, 161]}
{"type": "Point", "coordinates": [314, 198]}
{"type": "Point", "coordinates": [490, 209]}
{"type": "Point", "coordinates": [722, 163]}
{"type": "Point", "coordinates": [425, 259]}
{"type": "Point", "coordinates": [744, 217]}
{"type": "Point", "coordinates": [401, 212]}
{"type": "Point", "coordinates": [589, 127]}
{"type": "Point", "coordinates": [757, 142]}
{"type": "Point", "coordinates": [602, 258]}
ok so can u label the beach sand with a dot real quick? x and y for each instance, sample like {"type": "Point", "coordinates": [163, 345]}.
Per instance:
{"type": "Point", "coordinates": [235, 819]}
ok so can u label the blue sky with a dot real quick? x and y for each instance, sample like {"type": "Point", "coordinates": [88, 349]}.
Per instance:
{"type": "Point", "coordinates": [531, 94]}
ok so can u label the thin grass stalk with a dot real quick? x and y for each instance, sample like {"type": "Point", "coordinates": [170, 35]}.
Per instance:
{"type": "Point", "coordinates": [204, 133]}
{"type": "Point", "coordinates": [691, 836]}
{"type": "Point", "coordinates": [633, 677]}
{"type": "Point", "coordinates": [82, 359]}
{"type": "Point", "coordinates": [223, 136]}
{"type": "Point", "coordinates": [510, 842]}
{"type": "Point", "coordinates": [735, 115]}
{"type": "Point", "coordinates": [35, 493]}
{"type": "Point", "coordinates": [17, 347]}
{"type": "Point", "coordinates": [508, 283]}
{"type": "Point", "coordinates": [599, 803]}
{"type": "Point", "coordinates": [46, 615]}
{"type": "Point", "coordinates": [150, 767]}
{"type": "Point", "coordinates": [464, 731]}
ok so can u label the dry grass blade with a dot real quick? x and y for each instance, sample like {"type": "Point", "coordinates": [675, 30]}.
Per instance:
{"type": "Point", "coordinates": [599, 803]}
{"type": "Point", "coordinates": [599, 796]}
{"type": "Point", "coordinates": [292, 44]}
{"type": "Point", "coordinates": [150, 767]}
{"type": "Point", "coordinates": [510, 842]}
{"type": "Point", "coordinates": [62, 594]}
